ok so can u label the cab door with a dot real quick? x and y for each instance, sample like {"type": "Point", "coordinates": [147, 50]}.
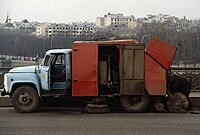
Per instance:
{"type": "Point", "coordinates": [45, 78]}
{"type": "Point", "coordinates": [45, 73]}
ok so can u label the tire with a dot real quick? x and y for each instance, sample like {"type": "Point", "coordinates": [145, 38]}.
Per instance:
{"type": "Point", "coordinates": [135, 103]}
{"type": "Point", "coordinates": [25, 99]}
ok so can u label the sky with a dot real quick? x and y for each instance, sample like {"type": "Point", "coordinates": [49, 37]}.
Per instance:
{"type": "Point", "coordinates": [66, 11]}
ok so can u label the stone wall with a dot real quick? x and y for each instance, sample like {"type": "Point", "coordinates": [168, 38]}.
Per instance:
{"type": "Point", "coordinates": [15, 63]}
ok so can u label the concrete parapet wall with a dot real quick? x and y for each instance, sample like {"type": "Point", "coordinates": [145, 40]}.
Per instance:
{"type": "Point", "coordinates": [6, 65]}
{"type": "Point", "coordinates": [16, 63]}
{"type": "Point", "coordinates": [5, 101]}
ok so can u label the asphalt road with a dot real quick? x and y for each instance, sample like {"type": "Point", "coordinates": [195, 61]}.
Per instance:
{"type": "Point", "coordinates": [64, 121]}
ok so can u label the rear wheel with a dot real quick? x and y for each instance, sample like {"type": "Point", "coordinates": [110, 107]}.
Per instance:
{"type": "Point", "coordinates": [25, 99]}
{"type": "Point", "coordinates": [177, 103]}
{"type": "Point", "coordinates": [135, 103]}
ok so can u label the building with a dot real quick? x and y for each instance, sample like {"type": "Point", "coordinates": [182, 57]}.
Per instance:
{"type": "Point", "coordinates": [160, 18]}
{"type": "Point", "coordinates": [72, 30]}
{"type": "Point", "coordinates": [183, 24]}
{"type": "Point", "coordinates": [26, 25]}
{"type": "Point", "coordinates": [8, 25]}
{"type": "Point", "coordinates": [41, 29]}
{"type": "Point", "coordinates": [117, 20]}
{"type": "Point", "coordinates": [170, 22]}
{"type": "Point", "coordinates": [100, 21]}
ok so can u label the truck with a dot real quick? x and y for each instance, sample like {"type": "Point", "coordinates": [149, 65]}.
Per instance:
{"type": "Point", "coordinates": [97, 71]}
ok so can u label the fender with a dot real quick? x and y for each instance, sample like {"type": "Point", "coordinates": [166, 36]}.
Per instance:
{"type": "Point", "coordinates": [22, 78]}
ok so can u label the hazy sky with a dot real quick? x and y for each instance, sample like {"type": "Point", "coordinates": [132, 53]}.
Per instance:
{"type": "Point", "coordinates": [64, 11]}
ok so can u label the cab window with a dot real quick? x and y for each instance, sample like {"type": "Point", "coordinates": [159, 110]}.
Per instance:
{"type": "Point", "coordinates": [60, 60]}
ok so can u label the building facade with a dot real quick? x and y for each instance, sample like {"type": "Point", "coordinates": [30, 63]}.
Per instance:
{"type": "Point", "coordinates": [117, 20]}
{"type": "Point", "coordinates": [41, 29]}
{"type": "Point", "coordinates": [170, 22]}
{"type": "Point", "coordinates": [73, 30]}
{"type": "Point", "coordinates": [26, 25]}
{"type": "Point", "coordinates": [8, 25]}
{"type": "Point", "coordinates": [183, 24]}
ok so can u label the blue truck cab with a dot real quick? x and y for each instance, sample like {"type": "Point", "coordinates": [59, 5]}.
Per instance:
{"type": "Point", "coordinates": [27, 85]}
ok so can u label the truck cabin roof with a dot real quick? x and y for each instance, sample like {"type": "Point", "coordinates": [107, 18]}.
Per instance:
{"type": "Point", "coordinates": [58, 51]}
{"type": "Point", "coordinates": [110, 42]}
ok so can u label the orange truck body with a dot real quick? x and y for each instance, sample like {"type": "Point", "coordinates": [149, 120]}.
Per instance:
{"type": "Point", "coordinates": [157, 60]}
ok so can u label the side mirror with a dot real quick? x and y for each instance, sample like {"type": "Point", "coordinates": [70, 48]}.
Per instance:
{"type": "Point", "coordinates": [37, 59]}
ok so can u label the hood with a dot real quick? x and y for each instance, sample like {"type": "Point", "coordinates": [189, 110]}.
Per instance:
{"type": "Point", "coordinates": [28, 69]}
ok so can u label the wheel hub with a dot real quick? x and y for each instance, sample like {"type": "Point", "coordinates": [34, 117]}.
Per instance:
{"type": "Point", "coordinates": [159, 106]}
{"type": "Point", "coordinates": [25, 99]}
{"type": "Point", "coordinates": [177, 104]}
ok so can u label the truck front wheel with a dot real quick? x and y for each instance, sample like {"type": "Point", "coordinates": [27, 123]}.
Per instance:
{"type": "Point", "coordinates": [135, 103]}
{"type": "Point", "coordinates": [25, 99]}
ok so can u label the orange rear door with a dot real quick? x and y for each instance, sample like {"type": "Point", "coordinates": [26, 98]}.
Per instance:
{"type": "Point", "coordinates": [85, 70]}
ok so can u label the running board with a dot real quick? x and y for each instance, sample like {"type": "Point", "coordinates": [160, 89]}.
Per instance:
{"type": "Point", "coordinates": [53, 93]}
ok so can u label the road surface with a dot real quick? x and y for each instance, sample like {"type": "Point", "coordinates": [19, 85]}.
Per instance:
{"type": "Point", "coordinates": [65, 121]}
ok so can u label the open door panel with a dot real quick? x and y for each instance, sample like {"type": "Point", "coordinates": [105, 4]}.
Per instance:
{"type": "Point", "coordinates": [132, 66]}
{"type": "Point", "coordinates": [85, 70]}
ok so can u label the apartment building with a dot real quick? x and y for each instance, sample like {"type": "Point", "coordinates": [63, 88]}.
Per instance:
{"type": "Point", "coordinates": [41, 29]}
{"type": "Point", "coordinates": [117, 20]}
{"type": "Point", "coordinates": [71, 30]}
